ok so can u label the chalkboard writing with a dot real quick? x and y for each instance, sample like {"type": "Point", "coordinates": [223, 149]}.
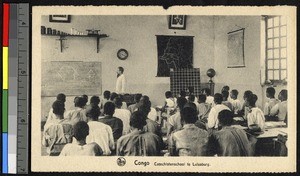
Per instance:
{"type": "Point", "coordinates": [71, 78]}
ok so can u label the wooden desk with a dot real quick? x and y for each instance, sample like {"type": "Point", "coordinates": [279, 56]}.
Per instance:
{"type": "Point", "coordinates": [265, 145]}
{"type": "Point", "coordinates": [265, 142]}
{"type": "Point", "coordinates": [272, 133]}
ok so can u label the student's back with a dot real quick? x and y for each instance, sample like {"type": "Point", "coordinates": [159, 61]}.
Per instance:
{"type": "Point", "coordinates": [153, 114]}
{"type": "Point", "coordinates": [280, 111]}
{"type": "Point", "coordinates": [152, 127]}
{"type": "Point", "coordinates": [139, 143]}
{"type": "Point", "coordinates": [124, 115]}
{"type": "Point", "coordinates": [204, 109]}
{"type": "Point", "coordinates": [230, 141]}
{"type": "Point", "coordinates": [76, 115]}
{"type": "Point", "coordinates": [190, 141]}
{"type": "Point", "coordinates": [116, 125]}
{"type": "Point", "coordinates": [269, 105]}
{"type": "Point", "coordinates": [102, 135]}
{"type": "Point", "coordinates": [91, 149]}
{"type": "Point", "coordinates": [236, 105]}
{"type": "Point", "coordinates": [56, 136]}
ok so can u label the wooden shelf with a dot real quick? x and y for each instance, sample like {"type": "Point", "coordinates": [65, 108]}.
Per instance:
{"type": "Point", "coordinates": [64, 37]}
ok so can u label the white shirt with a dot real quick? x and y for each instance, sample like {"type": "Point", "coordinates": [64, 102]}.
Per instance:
{"type": "Point", "coordinates": [152, 114]}
{"type": "Point", "coordinates": [236, 104]}
{"type": "Point", "coordinates": [76, 115]}
{"type": "Point", "coordinates": [280, 109]}
{"type": "Point", "coordinates": [210, 100]}
{"type": "Point", "coordinates": [120, 84]}
{"type": "Point", "coordinates": [73, 149]}
{"type": "Point", "coordinates": [213, 121]}
{"type": "Point", "coordinates": [124, 105]}
{"type": "Point", "coordinates": [51, 118]}
{"type": "Point", "coordinates": [256, 116]}
{"type": "Point", "coordinates": [170, 102]}
{"type": "Point", "coordinates": [124, 115]}
{"type": "Point", "coordinates": [269, 105]}
{"type": "Point", "coordinates": [195, 101]}
{"type": "Point", "coordinates": [102, 135]}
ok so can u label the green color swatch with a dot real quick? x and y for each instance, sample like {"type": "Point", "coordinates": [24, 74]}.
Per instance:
{"type": "Point", "coordinates": [4, 110]}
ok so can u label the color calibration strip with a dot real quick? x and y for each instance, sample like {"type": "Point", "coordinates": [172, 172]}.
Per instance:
{"type": "Point", "coordinates": [5, 44]}
{"type": "Point", "coordinates": [15, 90]}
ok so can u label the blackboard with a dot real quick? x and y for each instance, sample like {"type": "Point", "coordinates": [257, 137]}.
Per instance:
{"type": "Point", "coordinates": [71, 78]}
{"type": "Point", "coordinates": [174, 52]}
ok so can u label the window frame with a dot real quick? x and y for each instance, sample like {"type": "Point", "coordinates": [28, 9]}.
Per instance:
{"type": "Point", "coordinates": [279, 59]}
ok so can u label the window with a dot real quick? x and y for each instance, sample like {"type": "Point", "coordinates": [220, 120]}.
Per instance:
{"type": "Point", "coordinates": [276, 48]}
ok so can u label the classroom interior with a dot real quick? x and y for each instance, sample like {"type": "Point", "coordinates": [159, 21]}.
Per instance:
{"type": "Point", "coordinates": [137, 34]}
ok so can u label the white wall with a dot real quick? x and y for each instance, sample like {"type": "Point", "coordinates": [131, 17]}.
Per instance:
{"type": "Point", "coordinates": [244, 78]}
{"type": "Point", "coordinates": [137, 35]}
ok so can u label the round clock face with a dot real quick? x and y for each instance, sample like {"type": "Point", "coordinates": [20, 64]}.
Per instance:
{"type": "Point", "coordinates": [122, 54]}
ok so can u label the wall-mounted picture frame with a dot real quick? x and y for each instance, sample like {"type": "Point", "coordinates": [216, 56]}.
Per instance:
{"type": "Point", "coordinates": [177, 22]}
{"type": "Point", "coordinates": [60, 18]}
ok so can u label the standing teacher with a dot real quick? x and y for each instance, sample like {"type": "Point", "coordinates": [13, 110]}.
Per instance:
{"type": "Point", "coordinates": [120, 84]}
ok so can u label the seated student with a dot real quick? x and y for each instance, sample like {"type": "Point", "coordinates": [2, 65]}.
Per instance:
{"type": "Point", "coordinates": [204, 108]}
{"type": "Point", "coordinates": [255, 116]}
{"type": "Point", "coordinates": [245, 110]}
{"type": "Point", "coordinates": [225, 101]}
{"type": "Point", "coordinates": [170, 101]}
{"type": "Point", "coordinates": [225, 88]}
{"type": "Point", "coordinates": [59, 132]}
{"type": "Point", "coordinates": [152, 114]}
{"type": "Point", "coordinates": [151, 126]}
{"type": "Point", "coordinates": [95, 101]}
{"type": "Point", "coordinates": [139, 142]}
{"type": "Point", "coordinates": [122, 114]}
{"type": "Point", "coordinates": [80, 147]}
{"type": "Point", "coordinates": [212, 120]}
{"type": "Point", "coordinates": [209, 98]}
{"type": "Point", "coordinates": [191, 140]}
{"type": "Point", "coordinates": [236, 104]}
{"type": "Point", "coordinates": [133, 107]}
{"type": "Point", "coordinates": [115, 123]}
{"type": "Point", "coordinates": [182, 93]}
{"type": "Point", "coordinates": [174, 121]}
{"type": "Point", "coordinates": [86, 99]}
{"type": "Point", "coordinates": [60, 97]}
{"type": "Point", "coordinates": [280, 109]}
{"type": "Point", "coordinates": [229, 141]}
{"type": "Point", "coordinates": [124, 104]}
{"type": "Point", "coordinates": [99, 132]}
{"type": "Point", "coordinates": [113, 95]}
{"type": "Point", "coordinates": [78, 114]}
{"type": "Point", "coordinates": [191, 92]}
{"type": "Point", "coordinates": [192, 99]}
{"type": "Point", "coordinates": [270, 93]}
{"type": "Point", "coordinates": [105, 98]}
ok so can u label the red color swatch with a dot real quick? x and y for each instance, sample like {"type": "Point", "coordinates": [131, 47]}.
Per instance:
{"type": "Point", "coordinates": [5, 24]}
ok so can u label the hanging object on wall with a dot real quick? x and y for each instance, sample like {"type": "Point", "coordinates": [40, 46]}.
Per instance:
{"type": "Point", "coordinates": [60, 18]}
{"type": "Point", "coordinates": [174, 52]}
{"type": "Point", "coordinates": [235, 49]}
{"type": "Point", "coordinates": [177, 22]}
{"type": "Point", "coordinates": [122, 54]}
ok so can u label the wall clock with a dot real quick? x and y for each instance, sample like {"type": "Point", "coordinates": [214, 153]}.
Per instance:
{"type": "Point", "coordinates": [122, 54]}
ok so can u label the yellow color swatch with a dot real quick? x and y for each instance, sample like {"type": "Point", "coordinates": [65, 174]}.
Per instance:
{"type": "Point", "coordinates": [5, 67]}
